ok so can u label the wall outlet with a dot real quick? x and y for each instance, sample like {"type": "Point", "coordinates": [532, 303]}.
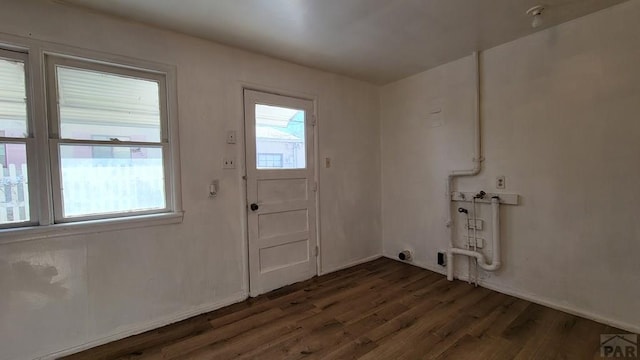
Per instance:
{"type": "Point", "coordinates": [501, 182]}
{"type": "Point", "coordinates": [231, 137]}
{"type": "Point", "coordinates": [442, 259]}
{"type": "Point", "coordinates": [228, 163]}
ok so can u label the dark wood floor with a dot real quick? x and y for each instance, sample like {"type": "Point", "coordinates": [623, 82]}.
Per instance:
{"type": "Point", "coordinates": [379, 310]}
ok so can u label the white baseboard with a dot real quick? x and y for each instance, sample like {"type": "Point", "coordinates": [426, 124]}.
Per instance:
{"type": "Point", "coordinates": [241, 296]}
{"type": "Point", "coordinates": [350, 264]}
{"type": "Point", "coordinates": [539, 300]}
{"type": "Point", "coordinates": [170, 319]}
{"type": "Point", "coordinates": [554, 305]}
{"type": "Point", "coordinates": [150, 325]}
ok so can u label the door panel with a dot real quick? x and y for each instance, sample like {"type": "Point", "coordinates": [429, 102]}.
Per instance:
{"type": "Point", "coordinates": [276, 190]}
{"type": "Point", "coordinates": [283, 223]}
{"type": "Point", "coordinates": [281, 204]}
{"type": "Point", "coordinates": [284, 255]}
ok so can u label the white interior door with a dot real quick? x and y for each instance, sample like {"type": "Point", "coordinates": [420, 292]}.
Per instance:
{"type": "Point", "coordinates": [281, 192]}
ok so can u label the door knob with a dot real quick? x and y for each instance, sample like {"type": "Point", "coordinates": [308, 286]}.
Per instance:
{"type": "Point", "coordinates": [254, 207]}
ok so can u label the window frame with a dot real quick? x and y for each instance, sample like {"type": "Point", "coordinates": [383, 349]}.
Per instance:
{"type": "Point", "coordinates": [42, 222]}
{"type": "Point", "coordinates": [56, 140]}
{"type": "Point", "coordinates": [93, 151]}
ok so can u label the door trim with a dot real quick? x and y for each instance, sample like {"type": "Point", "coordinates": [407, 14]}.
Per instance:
{"type": "Point", "coordinates": [243, 86]}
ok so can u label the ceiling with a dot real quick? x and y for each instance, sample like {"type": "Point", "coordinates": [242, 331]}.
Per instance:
{"type": "Point", "coordinates": [374, 40]}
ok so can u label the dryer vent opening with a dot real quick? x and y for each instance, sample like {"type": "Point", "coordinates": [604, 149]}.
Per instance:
{"type": "Point", "coordinates": [405, 255]}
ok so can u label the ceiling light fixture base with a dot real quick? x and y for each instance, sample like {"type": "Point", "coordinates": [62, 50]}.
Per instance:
{"type": "Point", "coordinates": [536, 13]}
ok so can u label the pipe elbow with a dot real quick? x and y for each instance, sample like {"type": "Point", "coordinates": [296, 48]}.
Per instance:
{"type": "Point", "coordinates": [477, 164]}
{"type": "Point", "coordinates": [490, 267]}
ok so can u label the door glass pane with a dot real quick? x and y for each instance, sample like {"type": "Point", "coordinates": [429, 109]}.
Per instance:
{"type": "Point", "coordinates": [13, 99]}
{"type": "Point", "coordinates": [102, 179]}
{"type": "Point", "coordinates": [14, 184]}
{"type": "Point", "coordinates": [280, 138]}
{"type": "Point", "coordinates": [97, 104]}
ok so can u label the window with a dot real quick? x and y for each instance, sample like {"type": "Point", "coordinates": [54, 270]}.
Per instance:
{"type": "Point", "coordinates": [280, 137]}
{"type": "Point", "coordinates": [15, 209]}
{"type": "Point", "coordinates": [107, 175]}
{"type": "Point", "coordinates": [109, 149]}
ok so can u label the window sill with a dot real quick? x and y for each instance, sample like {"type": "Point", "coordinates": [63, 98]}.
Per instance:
{"type": "Point", "coordinates": [8, 236]}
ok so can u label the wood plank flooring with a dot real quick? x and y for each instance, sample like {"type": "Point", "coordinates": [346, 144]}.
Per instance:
{"type": "Point", "coordinates": [379, 310]}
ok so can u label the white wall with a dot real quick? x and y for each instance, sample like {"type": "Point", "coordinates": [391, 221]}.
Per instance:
{"type": "Point", "coordinates": [560, 121]}
{"type": "Point", "coordinates": [65, 292]}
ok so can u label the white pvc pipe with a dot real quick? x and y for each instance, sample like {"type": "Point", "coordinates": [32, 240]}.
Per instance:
{"type": "Point", "coordinates": [495, 230]}
{"type": "Point", "coordinates": [480, 259]}
{"type": "Point", "coordinates": [475, 242]}
{"type": "Point", "coordinates": [477, 165]}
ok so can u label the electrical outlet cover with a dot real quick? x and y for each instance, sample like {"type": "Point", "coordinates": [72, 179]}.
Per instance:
{"type": "Point", "coordinates": [228, 163]}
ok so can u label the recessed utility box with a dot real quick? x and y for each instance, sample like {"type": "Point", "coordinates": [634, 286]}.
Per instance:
{"type": "Point", "coordinates": [442, 259]}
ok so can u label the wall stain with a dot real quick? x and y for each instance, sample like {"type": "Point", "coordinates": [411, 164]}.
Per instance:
{"type": "Point", "coordinates": [34, 278]}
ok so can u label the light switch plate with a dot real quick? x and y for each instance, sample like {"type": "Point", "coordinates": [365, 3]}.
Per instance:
{"type": "Point", "coordinates": [231, 137]}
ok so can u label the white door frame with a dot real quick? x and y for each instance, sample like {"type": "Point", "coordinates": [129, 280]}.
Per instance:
{"type": "Point", "coordinates": [243, 165]}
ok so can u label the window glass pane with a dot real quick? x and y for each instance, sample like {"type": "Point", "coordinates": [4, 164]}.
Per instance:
{"type": "Point", "coordinates": [114, 179]}
{"type": "Point", "coordinates": [270, 161]}
{"type": "Point", "coordinates": [14, 189]}
{"type": "Point", "coordinates": [13, 99]}
{"type": "Point", "coordinates": [280, 138]}
{"type": "Point", "coordinates": [96, 104]}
